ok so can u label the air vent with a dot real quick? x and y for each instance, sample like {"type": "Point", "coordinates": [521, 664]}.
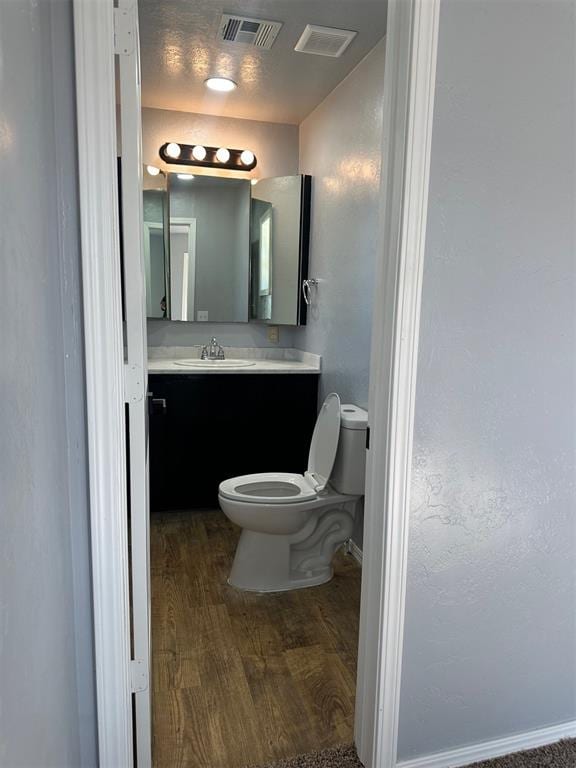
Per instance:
{"type": "Point", "coordinates": [324, 41]}
{"type": "Point", "coordinates": [254, 32]}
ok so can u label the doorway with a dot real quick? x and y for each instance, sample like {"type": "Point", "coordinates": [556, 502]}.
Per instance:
{"type": "Point", "coordinates": [410, 25]}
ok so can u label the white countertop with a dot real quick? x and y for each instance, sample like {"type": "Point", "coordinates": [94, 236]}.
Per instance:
{"type": "Point", "coordinates": [266, 360]}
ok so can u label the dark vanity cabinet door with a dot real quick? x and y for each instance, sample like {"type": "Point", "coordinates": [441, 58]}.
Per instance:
{"type": "Point", "coordinates": [221, 425]}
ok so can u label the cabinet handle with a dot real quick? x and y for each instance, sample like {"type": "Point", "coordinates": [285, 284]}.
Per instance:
{"type": "Point", "coordinates": [156, 404]}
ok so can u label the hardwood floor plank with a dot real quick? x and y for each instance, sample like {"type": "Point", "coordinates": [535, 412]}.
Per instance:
{"type": "Point", "coordinates": [240, 678]}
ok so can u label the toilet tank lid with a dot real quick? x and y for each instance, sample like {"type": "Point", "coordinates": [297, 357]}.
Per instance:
{"type": "Point", "coordinates": [353, 417]}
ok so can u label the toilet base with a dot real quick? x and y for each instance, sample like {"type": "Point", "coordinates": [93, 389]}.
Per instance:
{"type": "Point", "coordinates": [267, 562]}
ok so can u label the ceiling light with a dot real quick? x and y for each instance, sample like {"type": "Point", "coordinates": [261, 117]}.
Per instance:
{"type": "Point", "coordinates": [223, 155]}
{"type": "Point", "coordinates": [185, 176]}
{"type": "Point", "coordinates": [199, 152]}
{"type": "Point", "coordinates": [247, 157]}
{"type": "Point", "coordinates": [173, 150]}
{"type": "Point", "coordinates": [220, 84]}
{"type": "Point", "coordinates": [152, 170]}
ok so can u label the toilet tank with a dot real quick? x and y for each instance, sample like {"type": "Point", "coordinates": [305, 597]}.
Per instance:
{"type": "Point", "coordinates": [350, 464]}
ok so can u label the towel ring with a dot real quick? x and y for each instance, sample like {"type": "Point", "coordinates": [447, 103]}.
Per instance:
{"type": "Point", "coordinates": [307, 286]}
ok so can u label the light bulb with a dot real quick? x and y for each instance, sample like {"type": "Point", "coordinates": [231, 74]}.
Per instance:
{"type": "Point", "coordinates": [152, 170]}
{"type": "Point", "coordinates": [223, 155]}
{"type": "Point", "coordinates": [173, 150]}
{"type": "Point", "coordinates": [220, 84]}
{"type": "Point", "coordinates": [185, 176]}
{"type": "Point", "coordinates": [247, 157]}
{"type": "Point", "coordinates": [199, 152]}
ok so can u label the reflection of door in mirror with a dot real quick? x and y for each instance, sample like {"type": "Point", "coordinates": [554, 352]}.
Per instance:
{"type": "Point", "coordinates": [182, 268]}
{"type": "Point", "coordinates": [265, 266]}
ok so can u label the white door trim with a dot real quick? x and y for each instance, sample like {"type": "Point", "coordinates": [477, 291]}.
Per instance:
{"type": "Point", "coordinates": [96, 122]}
{"type": "Point", "coordinates": [409, 82]}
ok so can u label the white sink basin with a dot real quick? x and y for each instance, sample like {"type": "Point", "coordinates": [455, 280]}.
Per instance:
{"type": "Point", "coordinates": [211, 364]}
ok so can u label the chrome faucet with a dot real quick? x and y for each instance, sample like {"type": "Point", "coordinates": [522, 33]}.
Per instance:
{"type": "Point", "coordinates": [212, 351]}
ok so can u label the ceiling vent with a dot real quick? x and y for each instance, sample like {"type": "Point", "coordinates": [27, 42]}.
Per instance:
{"type": "Point", "coordinates": [254, 32]}
{"type": "Point", "coordinates": [324, 41]}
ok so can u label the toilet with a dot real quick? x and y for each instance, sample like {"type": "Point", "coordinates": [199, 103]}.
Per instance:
{"type": "Point", "coordinates": [293, 524]}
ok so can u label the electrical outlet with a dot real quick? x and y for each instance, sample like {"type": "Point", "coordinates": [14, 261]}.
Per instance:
{"type": "Point", "coordinates": [273, 334]}
{"type": "Point", "coordinates": [202, 315]}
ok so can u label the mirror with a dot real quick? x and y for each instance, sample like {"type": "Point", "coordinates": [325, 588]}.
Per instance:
{"type": "Point", "coordinates": [232, 252]}
{"type": "Point", "coordinates": [280, 230]}
{"type": "Point", "coordinates": [209, 248]}
{"type": "Point", "coordinates": [155, 209]}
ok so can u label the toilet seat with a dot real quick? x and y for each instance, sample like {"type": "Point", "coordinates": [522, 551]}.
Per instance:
{"type": "Point", "coordinates": [287, 487]}
{"type": "Point", "coordinates": [268, 488]}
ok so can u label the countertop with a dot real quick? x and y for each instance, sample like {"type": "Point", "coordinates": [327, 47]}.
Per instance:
{"type": "Point", "coordinates": [266, 360]}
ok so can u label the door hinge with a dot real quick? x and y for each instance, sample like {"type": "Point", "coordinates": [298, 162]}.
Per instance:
{"type": "Point", "coordinates": [124, 31]}
{"type": "Point", "coordinates": [133, 383]}
{"type": "Point", "coordinates": [138, 675]}
{"type": "Point", "coordinates": [368, 437]}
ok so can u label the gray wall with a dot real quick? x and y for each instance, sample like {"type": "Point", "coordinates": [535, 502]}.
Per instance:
{"type": "Point", "coordinates": [340, 146]}
{"type": "Point", "coordinates": [490, 642]}
{"type": "Point", "coordinates": [47, 708]}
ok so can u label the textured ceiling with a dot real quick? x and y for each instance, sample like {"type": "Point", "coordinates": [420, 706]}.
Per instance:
{"type": "Point", "coordinates": [180, 49]}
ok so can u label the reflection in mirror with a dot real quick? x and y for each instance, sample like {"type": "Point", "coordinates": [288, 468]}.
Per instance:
{"type": "Point", "coordinates": [209, 248]}
{"type": "Point", "coordinates": [280, 227]}
{"type": "Point", "coordinates": [155, 207]}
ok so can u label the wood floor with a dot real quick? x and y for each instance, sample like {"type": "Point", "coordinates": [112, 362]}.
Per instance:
{"type": "Point", "coordinates": [240, 678]}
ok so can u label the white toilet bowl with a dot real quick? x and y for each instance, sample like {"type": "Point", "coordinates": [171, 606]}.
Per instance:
{"type": "Point", "coordinates": [292, 524]}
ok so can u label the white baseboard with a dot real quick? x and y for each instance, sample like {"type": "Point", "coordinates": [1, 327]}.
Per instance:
{"type": "Point", "coordinates": [454, 758]}
{"type": "Point", "coordinates": [353, 549]}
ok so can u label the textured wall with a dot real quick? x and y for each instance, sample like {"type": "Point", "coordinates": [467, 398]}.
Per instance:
{"type": "Point", "coordinates": [340, 146]}
{"type": "Point", "coordinates": [490, 642]}
{"type": "Point", "coordinates": [47, 708]}
{"type": "Point", "coordinates": [276, 147]}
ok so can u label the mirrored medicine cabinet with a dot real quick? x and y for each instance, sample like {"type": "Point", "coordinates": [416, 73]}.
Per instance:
{"type": "Point", "coordinates": [223, 250]}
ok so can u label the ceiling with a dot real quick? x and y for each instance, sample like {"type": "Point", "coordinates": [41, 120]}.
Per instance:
{"type": "Point", "coordinates": [180, 49]}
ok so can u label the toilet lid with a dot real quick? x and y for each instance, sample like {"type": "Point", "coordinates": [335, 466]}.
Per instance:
{"type": "Point", "coordinates": [324, 443]}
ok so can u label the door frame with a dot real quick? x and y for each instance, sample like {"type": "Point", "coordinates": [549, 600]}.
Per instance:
{"type": "Point", "coordinates": [409, 81]}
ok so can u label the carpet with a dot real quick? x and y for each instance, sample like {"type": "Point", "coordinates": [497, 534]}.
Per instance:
{"type": "Point", "coordinates": [562, 754]}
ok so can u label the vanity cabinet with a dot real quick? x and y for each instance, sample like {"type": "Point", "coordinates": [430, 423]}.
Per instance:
{"type": "Point", "coordinates": [215, 426]}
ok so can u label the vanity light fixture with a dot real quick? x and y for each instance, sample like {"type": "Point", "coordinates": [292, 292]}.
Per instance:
{"type": "Point", "coordinates": [185, 176]}
{"type": "Point", "coordinates": [220, 84]}
{"type": "Point", "coordinates": [223, 155]}
{"type": "Point", "coordinates": [208, 157]}
{"type": "Point", "coordinates": [199, 152]}
{"type": "Point", "coordinates": [173, 150]}
{"type": "Point", "coordinates": [152, 170]}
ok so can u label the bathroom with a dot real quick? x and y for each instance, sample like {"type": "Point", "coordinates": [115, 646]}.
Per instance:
{"type": "Point", "coordinates": [259, 265]}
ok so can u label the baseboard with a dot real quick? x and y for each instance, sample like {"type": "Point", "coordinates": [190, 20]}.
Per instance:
{"type": "Point", "coordinates": [353, 549]}
{"type": "Point", "coordinates": [455, 758]}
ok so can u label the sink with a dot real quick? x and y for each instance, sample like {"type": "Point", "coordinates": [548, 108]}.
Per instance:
{"type": "Point", "coordinates": [211, 364]}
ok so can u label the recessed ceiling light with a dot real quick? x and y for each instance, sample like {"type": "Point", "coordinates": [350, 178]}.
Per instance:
{"type": "Point", "coordinates": [185, 176]}
{"type": "Point", "coordinates": [220, 84]}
